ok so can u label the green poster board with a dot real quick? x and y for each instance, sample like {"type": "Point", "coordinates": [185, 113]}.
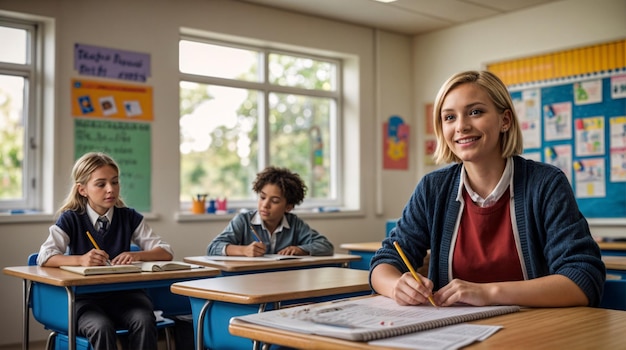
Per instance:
{"type": "Point", "coordinates": [129, 144]}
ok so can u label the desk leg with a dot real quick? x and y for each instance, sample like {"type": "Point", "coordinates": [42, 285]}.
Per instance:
{"type": "Point", "coordinates": [71, 319]}
{"type": "Point", "coordinates": [25, 313]}
{"type": "Point", "coordinates": [256, 345]}
{"type": "Point", "coordinates": [200, 326]}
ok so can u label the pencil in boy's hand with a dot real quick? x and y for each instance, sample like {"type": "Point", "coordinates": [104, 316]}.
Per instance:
{"type": "Point", "coordinates": [256, 236]}
{"type": "Point", "coordinates": [95, 245]}
{"type": "Point", "coordinates": [415, 275]}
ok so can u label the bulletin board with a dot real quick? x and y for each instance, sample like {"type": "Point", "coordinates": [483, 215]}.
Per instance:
{"type": "Point", "coordinates": [129, 143]}
{"type": "Point", "coordinates": [579, 125]}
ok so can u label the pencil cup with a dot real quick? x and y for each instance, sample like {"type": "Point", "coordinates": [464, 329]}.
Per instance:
{"type": "Point", "coordinates": [198, 206]}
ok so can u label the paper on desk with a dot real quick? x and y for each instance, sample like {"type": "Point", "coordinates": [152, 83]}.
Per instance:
{"type": "Point", "coordinates": [444, 338]}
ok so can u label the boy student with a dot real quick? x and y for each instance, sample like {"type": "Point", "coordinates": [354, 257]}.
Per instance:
{"type": "Point", "coordinates": [502, 230]}
{"type": "Point", "coordinates": [272, 229]}
{"type": "Point", "coordinates": [94, 207]}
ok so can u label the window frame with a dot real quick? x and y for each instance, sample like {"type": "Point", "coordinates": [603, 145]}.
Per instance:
{"type": "Point", "coordinates": [31, 71]}
{"type": "Point", "coordinates": [265, 88]}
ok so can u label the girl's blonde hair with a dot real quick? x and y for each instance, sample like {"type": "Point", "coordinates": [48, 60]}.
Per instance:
{"type": "Point", "coordinates": [510, 141]}
{"type": "Point", "coordinates": [81, 172]}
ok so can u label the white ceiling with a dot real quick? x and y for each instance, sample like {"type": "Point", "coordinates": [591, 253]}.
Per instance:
{"type": "Point", "coordinates": [403, 16]}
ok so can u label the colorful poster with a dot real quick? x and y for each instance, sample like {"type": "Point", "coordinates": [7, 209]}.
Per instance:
{"type": "Point", "coordinates": [101, 99]}
{"type": "Point", "coordinates": [528, 110]}
{"type": "Point", "coordinates": [557, 118]}
{"type": "Point", "coordinates": [111, 63]}
{"type": "Point", "coordinates": [429, 150]}
{"type": "Point", "coordinates": [561, 157]}
{"type": "Point", "coordinates": [428, 118]}
{"type": "Point", "coordinates": [587, 92]}
{"type": "Point", "coordinates": [590, 136]}
{"type": "Point", "coordinates": [590, 180]}
{"type": "Point", "coordinates": [618, 86]}
{"type": "Point", "coordinates": [395, 144]}
{"type": "Point", "coordinates": [618, 149]}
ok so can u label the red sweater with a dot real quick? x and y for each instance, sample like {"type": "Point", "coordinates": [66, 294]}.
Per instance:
{"type": "Point", "coordinates": [485, 249]}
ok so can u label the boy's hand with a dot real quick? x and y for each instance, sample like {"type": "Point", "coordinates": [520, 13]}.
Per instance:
{"type": "Point", "coordinates": [255, 249]}
{"type": "Point", "coordinates": [293, 250]}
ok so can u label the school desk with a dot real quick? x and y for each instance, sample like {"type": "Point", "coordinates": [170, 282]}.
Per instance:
{"type": "Point", "coordinates": [612, 248]}
{"type": "Point", "coordinates": [71, 284]}
{"type": "Point", "coordinates": [240, 267]}
{"type": "Point", "coordinates": [365, 250]}
{"type": "Point", "coordinates": [536, 328]}
{"type": "Point", "coordinates": [615, 265]}
{"type": "Point", "coordinates": [214, 301]}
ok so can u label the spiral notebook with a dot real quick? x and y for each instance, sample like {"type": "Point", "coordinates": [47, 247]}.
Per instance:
{"type": "Point", "coordinates": [370, 318]}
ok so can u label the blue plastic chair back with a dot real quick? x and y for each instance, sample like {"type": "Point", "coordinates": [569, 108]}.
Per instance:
{"type": "Point", "coordinates": [614, 296]}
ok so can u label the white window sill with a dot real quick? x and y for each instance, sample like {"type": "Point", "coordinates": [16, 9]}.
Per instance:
{"type": "Point", "coordinates": [306, 215]}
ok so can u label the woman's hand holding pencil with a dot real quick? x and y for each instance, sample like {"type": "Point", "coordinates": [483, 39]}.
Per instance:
{"type": "Point", "coordinates": [415, 275]}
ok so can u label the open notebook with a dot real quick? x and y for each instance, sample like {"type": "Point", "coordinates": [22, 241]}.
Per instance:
{"type": "Point", "coordinates": [266, 257]}
{"type": "Point", "coordinates": [156, 266]}
{"type": "Point", "coordinates": [369, 318]}
{"type": "Point", "coordinates": [102, 270]}
{"type": "Point", "coordinates": [139, 266]}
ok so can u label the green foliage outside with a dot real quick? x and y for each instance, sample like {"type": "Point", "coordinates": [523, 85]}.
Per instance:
{"type": "Point", "coordinates": [230, 163]}
{"type": "Point", "coordinates": [11, 150]}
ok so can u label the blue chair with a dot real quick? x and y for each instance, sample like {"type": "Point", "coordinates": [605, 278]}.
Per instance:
{"type": "Point", "coordinates": [614, 296]}
{"type": "Point", "coordinates": [54, 315]}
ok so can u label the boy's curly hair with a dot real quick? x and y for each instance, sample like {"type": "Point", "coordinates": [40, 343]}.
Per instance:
{"type": "Point", "coordinates": [292, 186]}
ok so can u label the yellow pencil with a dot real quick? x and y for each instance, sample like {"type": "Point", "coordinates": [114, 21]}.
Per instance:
{"type": "Point", "coordinates": [415, 275]}
{"type": "Point", "coordinates": [95, 245]}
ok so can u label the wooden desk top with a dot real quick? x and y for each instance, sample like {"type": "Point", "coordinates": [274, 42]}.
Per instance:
{"type": "Point", "coordinates": [612, 245]}
{"type": "Point", "coordinates": [615, 262]}
{"type": "Point", "coordinates": [240, 266]}
{"type": "Point", "coordinates": [276, 286]}
{"type": "Point", "coordinates": [363, 247]}
{"type": "Point", "coordinates": [549, 328]}
{"type": "Point", "coordinates": [57, 277]}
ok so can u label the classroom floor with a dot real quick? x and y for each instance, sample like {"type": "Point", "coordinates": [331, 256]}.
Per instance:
{"type": "Point", "coordinates": [33, 345]}
{"type": "Point", "coordinates": [41, 345]}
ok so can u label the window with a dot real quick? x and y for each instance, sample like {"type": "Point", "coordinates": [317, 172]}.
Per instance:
{"type": "Point", "coordinates": [18, 116]}
{"type": "Point", "coordinates": [243, 108]}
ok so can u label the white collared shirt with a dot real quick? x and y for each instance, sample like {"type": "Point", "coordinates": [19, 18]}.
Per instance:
{"type": "Point", "coordinates": [93, 216]}
{"type": "Point", "coordinates": [502, 186]}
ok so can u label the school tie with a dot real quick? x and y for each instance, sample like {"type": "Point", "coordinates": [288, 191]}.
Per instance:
{"type": "Point", "coordinates": [104, 223]}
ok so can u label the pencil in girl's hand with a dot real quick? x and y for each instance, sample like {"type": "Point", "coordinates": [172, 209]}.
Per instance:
{"type": "Point", "coordinates": [95, 245]}
{"type": "Point", "coordinates": [408, 264]}
{"type": "Point", "coordinates": [256, 236]}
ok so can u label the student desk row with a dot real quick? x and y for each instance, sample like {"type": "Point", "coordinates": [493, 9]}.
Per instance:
{"type": "Point", "coordinates": [366, 251]}
{"type": "Point", "coordinates": [540, 328]}
{"type": "Point", "coordinates": [612, 248]}
{"type": "Point", "coordinates": [232, 267]}
{"type": "Point", "coordinates": [61, 309]}
{"type": "Point", "coordinates": [211, 312]}
{"type": "Point", "coordinates": [70, 284]}
{"type": "Point", "coordinates": [214, 301]}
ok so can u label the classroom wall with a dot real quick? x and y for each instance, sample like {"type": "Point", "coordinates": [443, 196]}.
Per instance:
{"type": "Point", "coordinates": [553, 27]}
{"type": "Point", "coordinates": [152, 26]}
{"type": "Point", "coordinates": [398, 74]}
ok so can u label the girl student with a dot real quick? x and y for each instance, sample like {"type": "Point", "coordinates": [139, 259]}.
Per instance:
{"type": "Point", "coordinates": [94, 205]}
